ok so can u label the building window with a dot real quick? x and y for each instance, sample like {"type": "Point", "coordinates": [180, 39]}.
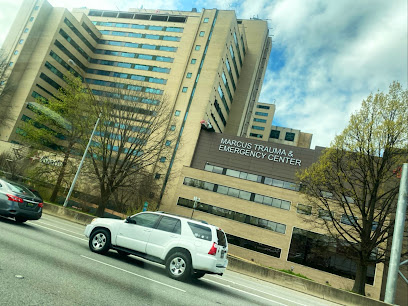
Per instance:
{"type": "Point", "coordinates": [206, 20]}
{"type": "Point", "coordinates": [233, 215]}
{"type": "Point", "coordinates": [157, 176]}
{"type": "Point", "coordinates": [189, 74]}
{"type": "Point", "coordinates": [263, 106]}
{"type": "Point", "coordinates": [31, 19]}
{"type": "Point", "coordinates": [324, 253]}
{"type": "Point", "coordinates": [26, 30]}
{"type": "Point", "coordinates": [253, 245]}
{"type": "Point", "coordinates": [184, 89]}
{"type": "Point", "coordinates": [202, 33]}
{"type": "Point", "coordinates": [304, 209]}
{"type": "Point", "coordinates": [261, 114]}
{"type": "Point", "coordinates": [274, 134]}
{"type": "Point", "coordinates": [325, 214]}
{"type": "Point", "coordinates": [193, 61]}
{"type": "Point", "coordinates": [255, 127]}
{"type": "Point", "coordinates": [16, 52]}
{"type": "Point", "coordinates": [162, 159]}
{"type": "Point", "coordinates": [348, 220]}
{"type": "Point", "coordinates": [177, 113]}
{"type": "Point", "coordinates": [11, 64]}
{"type": "Point", "coordinates": [21, 41]}
{"type": "Point", "coordinates": [197, 47]}
{"type": "Point", "coordinates": [259, 120]}
{"type": "Point", "coordinates": [172, 128]}
{"type": "Point", "coordinates": [289, 136]}
{"type": "Point", "coordinates": [255, 135]}
{"type": "Point", "coordinates": [36, 8]}
{"type": "Point", "coordinates": [168, 143]}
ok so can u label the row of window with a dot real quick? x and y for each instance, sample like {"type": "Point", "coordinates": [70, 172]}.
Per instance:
{"type": "Point", "coordinates": [125, 86]}
{"type": "Point", "coordinates": [328, 216]}
{"type": "Point", "coordinates": [234, 215]}
{"type": "Point", "coordinates": [136, 45]}
{"type": "Point", "coordinates": [275, 134]}
{"type": "Point", "coordinates": [130, 65]}
{"type": "Point", "coordinates": [129, 76]}
{"type": "Point", "coordinates": [138, 26]}
{"type": "Point", "coordinates": [237, 193]}
{"type": "Point", "coordinates": [132, 98]}
{"type": "Point", "coordinates": [139, 35]}
{"type": "Point", "coordinates": [136, 55]}
{"type": "Point", "coordinates": [252, 177]}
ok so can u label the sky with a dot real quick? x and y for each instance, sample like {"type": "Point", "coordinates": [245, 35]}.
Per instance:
{"type": "Point", "coordinates": [327, 56]}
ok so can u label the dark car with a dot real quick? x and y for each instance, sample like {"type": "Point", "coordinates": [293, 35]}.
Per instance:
{"type": "Point", "coordinates": [19, 202]}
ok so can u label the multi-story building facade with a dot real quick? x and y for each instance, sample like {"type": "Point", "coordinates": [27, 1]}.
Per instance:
{"type": "Point", "coordinates": [209, 64]}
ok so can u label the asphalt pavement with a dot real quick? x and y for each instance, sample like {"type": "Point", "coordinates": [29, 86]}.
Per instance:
{"type": "Point", "coordinates": [48, 262]}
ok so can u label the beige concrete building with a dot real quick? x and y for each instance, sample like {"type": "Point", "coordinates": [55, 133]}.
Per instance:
{"type": "Point", "coordinates": [261, 128]}
{"type": "Point", "coordinates": [248, 187]}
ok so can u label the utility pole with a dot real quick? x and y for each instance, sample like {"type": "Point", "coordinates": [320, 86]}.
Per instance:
{"type": "Point", "coordinates": [397, 238]}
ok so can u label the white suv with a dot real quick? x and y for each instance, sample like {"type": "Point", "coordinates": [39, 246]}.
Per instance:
{"type": "Point", "coordinates": [187, 247]}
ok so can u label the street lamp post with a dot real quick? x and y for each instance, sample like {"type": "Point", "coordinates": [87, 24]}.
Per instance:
{"type": "Point", "coordinates": [70, 61]}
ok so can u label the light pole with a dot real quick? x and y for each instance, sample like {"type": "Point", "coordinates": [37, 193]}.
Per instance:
{"type": "Point", "coordinates": [70, 61]}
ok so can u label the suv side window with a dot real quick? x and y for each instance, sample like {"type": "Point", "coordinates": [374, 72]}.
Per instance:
{"type": "Point", "coordinates": [171, 225]}
{"type": "Point", "coordinates": [146, 219]}
{"type": "Point", "coordinates": [200, 231]}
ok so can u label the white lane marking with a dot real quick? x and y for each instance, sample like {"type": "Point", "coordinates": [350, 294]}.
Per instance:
{"type": "Point", "coordinates": [238, 284]}
{"type": "Point", "coordinates": [138, 275]}
{"type": "Point", "coordinates": [63, 229]}
{"type": "Point", "coordinates": [33, 223]}
{"type": "Point", "coordinates": [242, 291]}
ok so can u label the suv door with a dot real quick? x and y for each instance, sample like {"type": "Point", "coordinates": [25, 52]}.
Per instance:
{"type": "Point", "coordinates": [167, 232]}
{"type": "Point", "coordinates": [134, 233]}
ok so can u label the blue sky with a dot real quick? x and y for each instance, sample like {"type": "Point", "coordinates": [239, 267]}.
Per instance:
{"type": "Point", "coordinates": [327, 56]}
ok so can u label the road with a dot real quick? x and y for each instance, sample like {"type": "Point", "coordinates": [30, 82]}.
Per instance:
{"type": "Point", "coordinates": [48, 262]}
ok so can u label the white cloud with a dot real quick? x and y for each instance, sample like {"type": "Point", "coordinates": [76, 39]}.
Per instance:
{"type": "Point", "coordinates": [336, 53]}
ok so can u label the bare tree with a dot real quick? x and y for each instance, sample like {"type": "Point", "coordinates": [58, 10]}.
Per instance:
{"type": "Point", "coordinates": [355, 179]}
{"type": "Point", "coordinates": [134, 138]}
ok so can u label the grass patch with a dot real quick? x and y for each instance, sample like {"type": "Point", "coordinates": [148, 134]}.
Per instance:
{"type": "Point", "coordinates": [295, 274]}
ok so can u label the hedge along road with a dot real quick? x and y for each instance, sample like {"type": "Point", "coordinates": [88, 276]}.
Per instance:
{"type": "Point", "coordinates": [48, 262]}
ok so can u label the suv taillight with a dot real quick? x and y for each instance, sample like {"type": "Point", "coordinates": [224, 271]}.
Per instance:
{"type": "Point", "coordinates": [14, 198]}
{"type": "Point", "coordinates": [40, 205]}
{"type": "Point", "coordinates": [213, 249]}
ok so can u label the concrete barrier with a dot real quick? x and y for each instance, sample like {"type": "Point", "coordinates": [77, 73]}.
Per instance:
{"type": "Point", "coordinates": [299, 284]}
{"type": "Point", "coordinates": [249, 268]}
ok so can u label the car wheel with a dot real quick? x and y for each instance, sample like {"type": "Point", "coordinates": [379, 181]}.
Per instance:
{"type": "Point", "coordinates": [20, 219]}
{"type": "Point", "coordinates": [122, 253]}
{"type": "Point", "coordinates": [178, 266]}
{"type": "Point", "coordinates": [197, 275]}
{"type": "Point", "coordinates": [99, 242]}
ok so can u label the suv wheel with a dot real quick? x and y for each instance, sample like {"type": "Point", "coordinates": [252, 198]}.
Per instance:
{"type": "Point", "coordinates": [178, 266]}
{"type": "Point", "coordinates": [20, 219]}
{"type": "Point", "coordinates": [99, 242]}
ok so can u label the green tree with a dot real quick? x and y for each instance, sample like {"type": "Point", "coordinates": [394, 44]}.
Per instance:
{"type": "Point", "coordinates": [355, 178]}
{"type": "Point", "coordinates": [134, 139]}
{"type": "Point", "coordinates": [6, 90]}
{"type": "Point", "coordinates": [62, 123]}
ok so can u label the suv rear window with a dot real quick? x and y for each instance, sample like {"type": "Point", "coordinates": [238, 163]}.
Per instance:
{"type": "Point", "coordinates": [200, 231]}
{"type": "Point", "coordinates": [222, 240]}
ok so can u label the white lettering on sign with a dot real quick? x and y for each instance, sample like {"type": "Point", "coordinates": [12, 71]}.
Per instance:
{"type": "Point", "coordinates": [52, 162]}
{"type": "Point", "coordinates": [258, 151]}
